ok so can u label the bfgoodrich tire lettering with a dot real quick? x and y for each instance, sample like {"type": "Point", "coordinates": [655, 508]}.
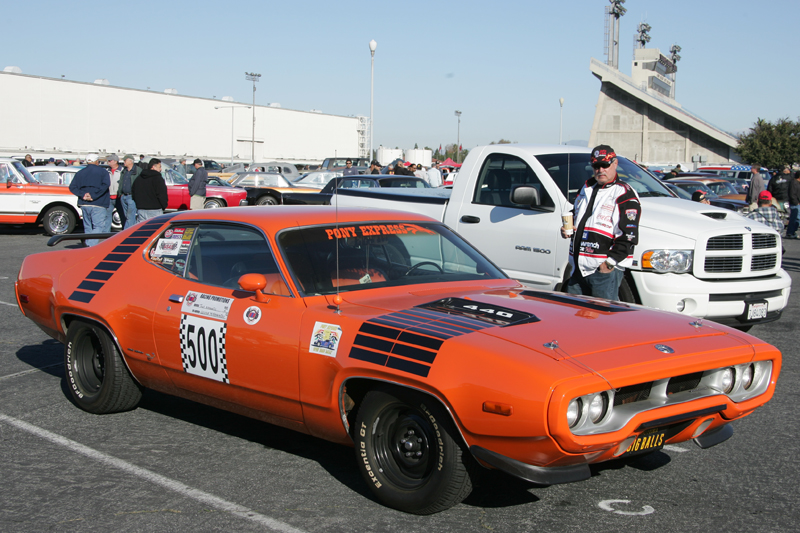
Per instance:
{"type": "Point", "coordinates": [97, 378]}
{"type": "Point", "coordinates": [409, 453]}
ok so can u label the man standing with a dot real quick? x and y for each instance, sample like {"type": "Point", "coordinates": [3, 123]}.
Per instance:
{"type": "Point", "coordinates": [28, 161]}
{"type": "Point", "coordinates": [375, 167]}
{"type": "Point", "coordinates": [142, 163]}
{"type": "Point", "coordinates": [766, 212]}
{"type": "Point", "coordinates": [127, 212]}
{"type": "Point", "coordinates": [794, 206]}
{"type": "Point", "coordinates": [756, 186]}
{"type": "Point", "coordinates": [348, 169]}
{"type": "Point", "coordinates": [181, 167]}
{"type": "Point", "coordinates": [607, 212]}
{"type": "Point", "coordinates": [197, 185]}
{"type": "Point", "coordinates": [114, 174]}
{"type": "Point", "coordinates": [150, 192]}
{"type": "Point", "coordinates": [779, 187]}
{"type": "Point", "coordinates": [434, 175]}
{"type": "Point", "coordinates": [90, 185]}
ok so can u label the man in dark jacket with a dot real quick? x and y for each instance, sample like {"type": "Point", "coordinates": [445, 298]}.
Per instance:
{"type": "Point", "coordinates": [127, 209]}
{"type": "Point", "coordinates": [794, 206]}
{"type": "Point", "coordinates": [90, 185]}
{"type": "Point", "coordinates": [197, 185]}
{"type": "Point", "coordinates": [778, 186]}
{"type": "Point", "coordinates": [149, 191]}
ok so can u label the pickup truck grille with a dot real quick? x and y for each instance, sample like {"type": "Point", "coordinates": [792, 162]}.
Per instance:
{"type": "Point", "coordinates": [737, 255]}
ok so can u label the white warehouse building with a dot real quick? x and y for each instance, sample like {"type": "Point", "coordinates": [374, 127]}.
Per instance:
{"type": "Point", "coordinates": [55, 117]}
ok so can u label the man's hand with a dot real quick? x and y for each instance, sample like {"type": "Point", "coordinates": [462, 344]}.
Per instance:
{"type": "Point", "coordinates": [87, 197]}
{"type": "Point", "coordinates": [564, 234]}
{"type": "Point", "coordinates": [605, 268]}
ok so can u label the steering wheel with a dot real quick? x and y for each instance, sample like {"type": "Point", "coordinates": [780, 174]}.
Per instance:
{"type": "Point", "coordinates": [421, 263]}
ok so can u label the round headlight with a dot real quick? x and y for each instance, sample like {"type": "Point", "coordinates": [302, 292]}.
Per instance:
{"type": "Point", "coordinates": [574, 412]}
{"type": "Point", "coordinates": [598, 407]}
{"type": "Point", "coordinates": [727, 380]}
{"type": "Point", "coordinates": [747, 376]}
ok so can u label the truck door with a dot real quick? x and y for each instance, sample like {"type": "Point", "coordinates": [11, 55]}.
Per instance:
{"type": "Point", "coordinates": [522, 240]}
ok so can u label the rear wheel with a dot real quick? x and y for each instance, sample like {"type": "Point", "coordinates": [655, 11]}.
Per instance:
{"type": "Point", "coordinates": [59, 220]}
{"type": "Point", "coordinates": [116, 221]}
{"type": "Point", "coordinates": [408, 453]}
{"type": "Point", "coordinates": [97, 377]}
{"type": "Point", "coordinates": [212, 203]}
{"type": "Point", "coordinates": [267, 200]}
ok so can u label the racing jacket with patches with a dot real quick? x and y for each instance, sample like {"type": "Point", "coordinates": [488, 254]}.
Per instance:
{"type": "Point", "coordinates": [607, 225]}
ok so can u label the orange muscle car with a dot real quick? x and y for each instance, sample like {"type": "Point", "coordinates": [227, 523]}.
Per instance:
{"type": "Point", "coordinates": [387, 332]}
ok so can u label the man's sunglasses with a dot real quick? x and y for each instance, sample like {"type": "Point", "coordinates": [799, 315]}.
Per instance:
{"type": "Point", "coordinates": [601, 164]}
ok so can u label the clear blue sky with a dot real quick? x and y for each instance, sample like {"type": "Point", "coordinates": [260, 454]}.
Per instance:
{"type": "Point", "coordinates": [504, 64]}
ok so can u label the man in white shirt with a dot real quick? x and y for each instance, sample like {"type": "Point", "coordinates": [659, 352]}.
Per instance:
{"type": "Point", "coordinates": [434, 175]}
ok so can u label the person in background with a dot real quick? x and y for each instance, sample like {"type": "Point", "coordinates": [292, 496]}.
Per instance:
{"type": "Point", "coordinates": [700, 196]}
{"type": "Point", "coordinates": [149, 191]}
{"type": "Point", "coordinates": [607, 213]}
{"type": "Point", "coordinates": [766, 212]}
{"type": "Point", "coordinates": [794, 206]}
{"type": "Point", "coordinates": [778, 186]}
{"type": "Point", "coordinates": [180, 168]}
{"type": "Point", "coordinates": [420, 172]}
{"type": "Point", "coordinates": [127, 213]}
{"type": "Point", "coordinates": [28, 161]}
{"type": "Point", "coordinates": [197, 185]}
{"type": "Point", "coordinates": [142, 163]}
{"type": "Point", "coordinates": [348, 169]}
{"type": "Point", "coordinates": [434, 175]}
{"type": "Point", "coordinates": [375, 167]}
{"type": "Point", "coordinates": [114, 174]}
{"type": "Point", "coordinates": [90, 185]}
{"type": "Point", "coordinates": [390, 169]}
{"type": "Point", "coordinates": [756, 186]}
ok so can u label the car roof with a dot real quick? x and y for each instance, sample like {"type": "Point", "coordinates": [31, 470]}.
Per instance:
{"type": "Point", "coordinates": [54, 168]}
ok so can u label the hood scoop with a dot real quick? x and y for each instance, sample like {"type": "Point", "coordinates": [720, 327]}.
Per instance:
{"type": "Point", "coordinates": [716, 215]}
{"type": "Point", "coordinates": [476, 311]}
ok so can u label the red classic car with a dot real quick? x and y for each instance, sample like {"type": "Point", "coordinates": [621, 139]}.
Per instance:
{"type": "Point", "coordinates": [219, 193]}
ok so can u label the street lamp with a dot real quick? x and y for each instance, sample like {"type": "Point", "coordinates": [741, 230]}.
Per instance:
{"type": "Point", "coordinates": [252, 76]}
{"type": "Point", "coordinates": [561, 119]}
{"type": "Point", "coordinates": [232, 108]}
{"type": "Point", "coordinates": [458, 139]}
{"type": "Point", "coordinates": [372, 46]}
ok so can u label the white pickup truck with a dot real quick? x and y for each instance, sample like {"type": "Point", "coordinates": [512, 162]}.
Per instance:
{"type": "Point", "coordinates": [692, 258]}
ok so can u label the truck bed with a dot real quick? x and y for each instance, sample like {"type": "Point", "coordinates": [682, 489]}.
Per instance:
{"type": "Point", "coordinates": [430, 202]}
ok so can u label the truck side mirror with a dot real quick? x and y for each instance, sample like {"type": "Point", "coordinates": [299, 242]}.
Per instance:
{"type": "Point", "coordinates": [526, 195]}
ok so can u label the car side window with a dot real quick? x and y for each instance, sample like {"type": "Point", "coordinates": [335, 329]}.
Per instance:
{"type": "Point", "coordinates": [5, 173]}
{"type": "Point", "coordinates": [498, 177]}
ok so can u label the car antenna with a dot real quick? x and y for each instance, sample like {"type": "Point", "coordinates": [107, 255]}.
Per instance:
{"type": "Point", "coordinates": [337, 299]}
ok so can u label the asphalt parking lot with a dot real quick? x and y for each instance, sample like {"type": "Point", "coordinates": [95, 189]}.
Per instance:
{"type": "Point", "coordinates": [173, 465]}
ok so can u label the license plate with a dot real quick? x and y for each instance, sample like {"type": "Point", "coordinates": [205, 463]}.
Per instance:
{"type": "Point", "coordinates": [650, 440]}
{"type": "Point", "coordinates": [756, 310]}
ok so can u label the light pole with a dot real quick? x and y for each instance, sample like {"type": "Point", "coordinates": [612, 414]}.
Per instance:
{"type": "Point", "coordinates": [458, 139]}
{"type": "Point", "coordinates": [561, 119]}
{"type": "Point", "coordinates": [252, 76]}
{"type": "Point", "coordinates": [372, 46]}
{"type": "Point", "coordinates": [232, 108]}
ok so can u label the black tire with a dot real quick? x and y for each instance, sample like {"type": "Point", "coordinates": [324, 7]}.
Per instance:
{"type": "Point", "coordinates": [434, 476]}
{"type": "Point", "coordinates": [213, 203]}
{"type": "Point", "coordinates": [267, 200]}
{"type": "Point", "coordinates": [59, 220]}
{"type": "Point", "coordinates": [97, 377]}
{"type": "Point", "coordinates": [626, 292]}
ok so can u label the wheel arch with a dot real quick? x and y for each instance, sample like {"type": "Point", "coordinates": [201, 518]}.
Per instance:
{"type": "Point", "coordinates": [58, 203]}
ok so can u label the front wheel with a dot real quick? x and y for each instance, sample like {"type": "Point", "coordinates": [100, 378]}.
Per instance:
{"type": "Point", "coordinates": [97, 377]}
{"type": "Point", "coordinates": [407, 452]}
{"type": "Point", "coordinates": [59, 220]}
{"type": "Point", "coordinates": [267, 200]}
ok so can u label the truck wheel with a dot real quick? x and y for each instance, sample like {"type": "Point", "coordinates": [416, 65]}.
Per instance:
{"type": "Point", "coordinates": [267, 200]}
{"type": "Point", "coordinates": [212, 203]}
{"type": "Point", "coordinates": [98, 379]}
{"type": "Point", "coordinates": [626, 292]}
{"type": "Point", "coordinates": [407, 452]}
{"type": "Point", "coordinates": [58, 220]}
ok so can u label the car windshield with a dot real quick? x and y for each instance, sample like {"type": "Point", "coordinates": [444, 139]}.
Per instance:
{"type": "Point", "coordinates": [24, 171]}
{"type": "Point", "coordinates": [173, 177]}
{"type": "Point", "coordinates": [261, 179]}
{"type": "Point", "coordinates": [404, 182]}
{"type": "Point", "coordinates": [571, 171]}
{"type": "Point", "coordinates": [317, 178]}
{"type": "Point", "coordinates": [367, 255]}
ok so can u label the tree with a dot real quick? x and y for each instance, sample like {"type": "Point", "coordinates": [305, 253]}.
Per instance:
{"type": "Point", "coordinates": [771, 145]}
{"type": "Point", "coordinates": [502, 141]}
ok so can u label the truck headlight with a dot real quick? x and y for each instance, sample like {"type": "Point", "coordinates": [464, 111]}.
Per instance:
{"type": "Point", "coordinates": [677, 261]}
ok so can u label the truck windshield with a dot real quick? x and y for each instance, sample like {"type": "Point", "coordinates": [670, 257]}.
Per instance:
{"type": "Point", "coordinates": [367, 255]}
{"type": "Point", "coordinates": [571, 171]}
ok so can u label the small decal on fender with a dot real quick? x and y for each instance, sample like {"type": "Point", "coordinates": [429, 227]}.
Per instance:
{"type": "Point", "coordinates": [325, 339]}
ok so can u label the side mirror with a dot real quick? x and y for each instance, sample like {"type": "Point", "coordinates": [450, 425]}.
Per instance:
{"type": "Point", "coordinates": [254, 283]}
{"type": "Point", "coordinates": [525, 195]}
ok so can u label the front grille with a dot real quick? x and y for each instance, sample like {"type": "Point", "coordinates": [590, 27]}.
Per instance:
{"type": "Point", "coordinates": [764, 240]}
{"type": "Point", "coordinates": [764, 262]}
{"type": "Point", "coordinates": [723, 264]}
{"type": "Point", "coordinates": [725, 242]}
{"type": "Point", "coordinates": [632, 393]}
{"type": "Point", "coordinates": [683, 383]}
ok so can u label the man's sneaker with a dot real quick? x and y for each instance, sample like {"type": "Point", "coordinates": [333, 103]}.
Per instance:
{"type": "Point", "coordinates": [791, 236]}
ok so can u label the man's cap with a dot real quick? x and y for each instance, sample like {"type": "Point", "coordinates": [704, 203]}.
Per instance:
{"type": "Point", "coordinates": [375, 162]}
{"type": "Point", "coordinates": [129, 156]}
{"type": "Point", "coordinates": [603, 152]}
{"type": "Point", "coordinates": [765, 196]}
{"type": "Point", "coordinates": [52, 159]}
{"type": "Point", "coordinates": [91, 158]}
{"type": "Point", "coordinates": [181, 160]}
{"type": "Point", "coordinates": [698, 195]}
{"type": "Point", "coordinates": [787, 167]}
{"type": "Point", "coordinates": [112, 157]}
{"type": "Point", "coordinates": [197, 162]}
{"type": "Point", "coordinates": [678, 165]}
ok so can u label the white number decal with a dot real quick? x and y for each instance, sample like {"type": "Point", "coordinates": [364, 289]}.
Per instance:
{"type": "Point", "coordinates": [203, 347]}
{"type": "Point", "coordinates": [503, 314]}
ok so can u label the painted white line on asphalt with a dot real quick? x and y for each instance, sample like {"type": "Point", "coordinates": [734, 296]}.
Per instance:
{"type": "Point", "coordinates": [6, 303]}
{"type": "Point", "coordinates": [673, 448]}
{"type": "Point", "coordinates": [37, 369]}
{"type": "Point", "coordinates": [177, 486]}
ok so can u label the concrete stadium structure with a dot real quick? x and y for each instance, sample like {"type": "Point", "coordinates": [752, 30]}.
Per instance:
{"type": "Point", "coordinates": [55, 117]}
{"type": "Point", "coordinates": [638, 116]}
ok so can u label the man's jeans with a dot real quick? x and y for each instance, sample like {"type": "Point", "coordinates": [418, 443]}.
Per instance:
{"type": "Point", "coordinates": [793, 222]}
{"type": "Point", "coordinates": [127, 214]}
{"type": "Point", "coordinates": [94, 221]}
{"type": "Point", "coordinates": [144, 214]}
{"type": "Point", "coordinates": [597, 284]}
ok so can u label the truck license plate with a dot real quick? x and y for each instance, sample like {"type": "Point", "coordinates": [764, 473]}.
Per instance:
{"type": "Point", "coordinates": [756, 310]}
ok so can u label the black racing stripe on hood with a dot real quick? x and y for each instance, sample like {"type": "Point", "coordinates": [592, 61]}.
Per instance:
{"type": "Point", "coordinates": [109, 265]}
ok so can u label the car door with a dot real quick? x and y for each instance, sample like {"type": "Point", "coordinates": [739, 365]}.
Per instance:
{"type": "Point", "coordinates": [521, 240]}
{"type": "Point", "coordinates": [217, 340]}
{"type": "Point", "coordinates": [12, 195]}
